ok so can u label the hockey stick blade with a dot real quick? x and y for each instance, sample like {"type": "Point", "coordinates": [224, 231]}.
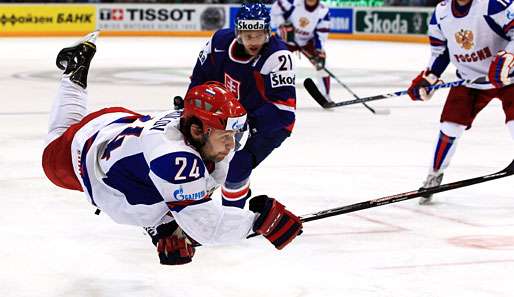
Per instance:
{"type": "Point", "coordinates": [313, 90]}
{"type": "Point", "coordinates": [508, 171]}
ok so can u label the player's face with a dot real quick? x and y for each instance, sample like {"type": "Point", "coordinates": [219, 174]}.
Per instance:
{"type": "Point", "coordinates": [219, 144]}
{"type": "Point", "coordinates": [311, 2]}
{"type": "Point", "coordinates": [253, 40]}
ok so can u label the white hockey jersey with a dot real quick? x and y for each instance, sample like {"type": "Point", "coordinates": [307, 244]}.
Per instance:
{"type": "Point", "coordinates": [470, 39]}
{"type": "Point", "coordinates": [308, 24]}
{"type": "Point", "coordinates": [140, 171]}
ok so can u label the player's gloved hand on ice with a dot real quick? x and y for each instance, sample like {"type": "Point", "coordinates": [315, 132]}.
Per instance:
{"type": "Point", "coordinates": [173, 245]}
{"type": "Point", "coordinates": [318, 60]}
{"type": "Point", "coordinates": [417, 89]}
{"type": "Point", "coordinates": [286, 31]}
{"type": "Point", "coordinates": [178, 103]}
{"type": "Point", "coordinates": [500, 68]}
{"type": "Point", "coordinates": [275, 222]}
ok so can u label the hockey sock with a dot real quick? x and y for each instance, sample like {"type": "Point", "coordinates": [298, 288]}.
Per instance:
{"type": "Point", "coordinates": [324, 83]}
{"type": "Point", "coordinates": [446, 145]}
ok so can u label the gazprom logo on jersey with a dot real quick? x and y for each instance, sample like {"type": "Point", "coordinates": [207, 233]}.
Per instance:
{"type": "Point", "coordinates": [179, 195]}
{"type": "Point", "coordinates": [250, 25]}
{"type": "Point", "coordinates": [341, 20]}
{"type": "Point", "coordinates": [510, 13]}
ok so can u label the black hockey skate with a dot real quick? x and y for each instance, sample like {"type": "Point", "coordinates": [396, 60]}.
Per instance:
{"type": "Point", "coordinates": [75, 60]}
{"type": "Point", "coordinates": [433, 180]}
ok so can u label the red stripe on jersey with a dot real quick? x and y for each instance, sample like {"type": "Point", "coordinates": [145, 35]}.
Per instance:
{"type": "Point", "coordinates": [290, 127]}
{"type": "Point", "coordinates": [509, 26]}
{"type": "Point", "coordinates": [435, 41]}
{"type": "Point", "coordinates": [259, 82]}
{"type": "Point", "coordinates": [235, 195]}
{"type": "Point", "coordinates": [291, 102]}
{"type": "Point", "coordinates": [179, 205]}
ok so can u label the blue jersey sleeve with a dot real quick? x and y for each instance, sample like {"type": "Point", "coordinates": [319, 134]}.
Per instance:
{"type": "Point", "coordinates": [204, 66]}
{"type": "Point", "coordinates": [276, 84]}
{"type": "Point", "coordinates": [440, 58]}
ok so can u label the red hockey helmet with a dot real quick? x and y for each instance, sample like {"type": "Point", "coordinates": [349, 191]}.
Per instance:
{"type": "Point", "coordinates": [215, 107]}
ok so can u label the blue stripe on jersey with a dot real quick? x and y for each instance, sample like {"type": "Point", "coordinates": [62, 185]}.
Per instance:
{"type": "Point", "coordinates": [495, 27]}
{"type": "Point", "coordinates": [288, 13]}
{"type": "Point", "coordinates": [178, 167]}
{"type": "Point", "coordinates": [440, 63]}
{"type": "Point", "coordinates": [433, 20]}
{"type": "Point", "coordinates": [130, 176]}
{"type": "Point", "coordinates": [496, 6]}
{"type": "Point", "coordinates": [327, 16]}
{"type": "Point", "coordinates": [83, 167]}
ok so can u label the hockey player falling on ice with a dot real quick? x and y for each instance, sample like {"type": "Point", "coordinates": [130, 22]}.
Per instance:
{"type": "Point", "coordinates": [157, 171]}
{"type": "Point", "coordinates": [305, 23]}
{"type": "Point", "coordinates": [475, 35]}
{"type": "Point", "coordinates": [258, 69]}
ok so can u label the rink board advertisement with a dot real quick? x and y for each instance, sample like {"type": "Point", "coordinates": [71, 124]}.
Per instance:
{"type": "Point", "coordinates": [20, 19]}
{"type": "Point", "coordinates": [395, 21]}
{"type": "Point", "coordinates": [357, 23]}
{"type": "Point", "coordinates": [341, 19]}
{"type": "Point", "coordinates": [113, 17]}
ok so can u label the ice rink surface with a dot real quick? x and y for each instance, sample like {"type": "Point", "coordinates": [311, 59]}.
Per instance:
{"type": "Point", "coordinates": [51, 243]}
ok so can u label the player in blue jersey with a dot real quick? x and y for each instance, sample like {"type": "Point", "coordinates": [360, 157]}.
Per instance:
{"type": "Point", "coordinates": [157, 171]}
{"type": "Point", "coordinates": [258, 69]}
{"type": "Point", "coordinates": [305, 24]}
{"type": "Point", "coordinates": [476, 36]}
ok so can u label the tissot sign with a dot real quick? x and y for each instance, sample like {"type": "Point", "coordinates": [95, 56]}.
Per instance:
{"type": "Point", "coordinates": [160, 17]}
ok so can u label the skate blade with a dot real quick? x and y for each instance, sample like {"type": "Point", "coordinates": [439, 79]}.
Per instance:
{"type": "Point", "coordinates": [91, 38]}
{"type": "Point", "coordinates": [425, 201]}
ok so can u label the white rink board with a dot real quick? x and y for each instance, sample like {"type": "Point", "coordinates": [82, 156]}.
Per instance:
{"type": "Point", "coordinates": [53, 245]}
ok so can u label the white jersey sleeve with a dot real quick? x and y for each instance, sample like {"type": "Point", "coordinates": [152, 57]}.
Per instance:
{"type": "Point", "coordinates": [502, 13]}
{"type": "Point", "coordinates": [280, 11]}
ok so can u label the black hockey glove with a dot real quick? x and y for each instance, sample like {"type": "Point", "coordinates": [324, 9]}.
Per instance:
{"type": "Point", "coordinates": [286, 31]}
{"type": "Point", "coordinates": [173, 245]}
{"type": "Point", "coordinates": [178, 103]}
{"type": "Point", "coordinates": [318, 60]}
{"type": "Point", "coordinates": [275, 222]}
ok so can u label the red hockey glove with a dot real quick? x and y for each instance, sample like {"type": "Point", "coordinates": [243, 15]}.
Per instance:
{"type": "Point", "coordinates": [286, 31]}
{"type": "Point", "coordinates": [417, 89]}
{"type": "Point", "coordinates": [276, 223]}
{"type": "Point", "coordinates": [500, 69]}
{"type": "Point", "coordinates": [173, 245]}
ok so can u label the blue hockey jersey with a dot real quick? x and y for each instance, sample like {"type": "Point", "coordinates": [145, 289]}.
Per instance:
{"type": "Point", "coordinates": [265, 84]}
